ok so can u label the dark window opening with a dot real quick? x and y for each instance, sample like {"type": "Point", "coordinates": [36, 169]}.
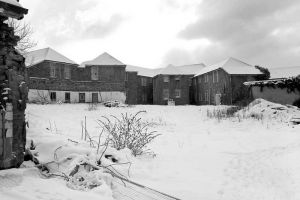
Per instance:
{"type": "Point", "coordinates": [67, 97]}
{"type": "Point", "coordinates": [53, 96]}
{"type": "Point", "coordinates": [81, 97]}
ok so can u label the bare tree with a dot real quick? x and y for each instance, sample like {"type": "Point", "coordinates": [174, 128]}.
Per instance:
{"type": "Point", "coordinates": [24, 31]}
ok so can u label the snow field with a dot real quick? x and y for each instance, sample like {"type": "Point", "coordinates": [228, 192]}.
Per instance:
{"type": "Point", "coordinates": [196, 157]}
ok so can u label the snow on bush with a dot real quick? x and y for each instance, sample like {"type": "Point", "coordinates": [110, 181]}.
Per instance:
{"type": "Point", "coordinates": [129, 131]}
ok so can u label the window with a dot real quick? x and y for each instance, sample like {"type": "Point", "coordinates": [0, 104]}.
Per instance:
{"type": "Point", "coordinates": [206, 78]}
{"type": "Point", "coordinates": [53, 96]}
{"type": "Point", "coordinates": [144, 81]}
{"type": "Point", "coordinates": [213, 76]}
{"type": "Point", "coordinates": [206, 96]}
{"type": "Point", "coordinates": [52, 71]}
{"type": "Point", "coordinates": [67, 72]}
{"type": "Point", "coordinates": [166, 79]}
{"type": "Point", "coordinates": [126, 76]}
{"type": "Point", "coordinates": [199, 79]}
{"type": "Point", "coordinates": [166, 94]}
{"type": "Point", "coordinates": [67, 97]}
{"type": "Point", "coordinates": [177, 83]}
{"type": "Point", "coordinates": [81, 97]}
{"type": "Point", "coordinates": [177, 93]}
{"type": "Point", "coordinates": [177, 78]}
{"type": "Point", "coordinates": [217, 76]}
{"type": "Point", "coordinates": [94, 73]}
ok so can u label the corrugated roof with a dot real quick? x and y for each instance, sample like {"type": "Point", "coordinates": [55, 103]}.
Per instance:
{"type": "Point", "coordinates": [284, 72]}
{"type": "Point", "coordinates": [103, 59]}
{"type": "Point", "coordinates": [231, 66]}
{"type": "Point", "coordinates": [47, 54]}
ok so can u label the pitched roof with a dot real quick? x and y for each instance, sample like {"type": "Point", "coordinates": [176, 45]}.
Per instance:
{"type": "Point", "coordinates": [103, 59]}
{"type": "Point", "coordinates": [284, 72]}
{"type": "Point", "coordinates": [231, 66]}
{"type": "Point", "coordinates": [47, 54]}
{"type": "Point", "coordinates": [142, 71]}
{"type": "Point", "coordinates": [191, 69]}
{"type": "Point", "coordinates": [169, 70]}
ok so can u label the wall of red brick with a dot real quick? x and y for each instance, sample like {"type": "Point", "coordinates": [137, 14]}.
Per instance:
{"type": "Point", "coordinates": [145, 92]}
{"type": "Point", "coordinates": [184, 85]}
{"type": "Point", "coordinates": [111, 78]}
{"type": "Point", "coordinates": [131, 85]}
{"type": "Point", "coordinates": [230, 87]}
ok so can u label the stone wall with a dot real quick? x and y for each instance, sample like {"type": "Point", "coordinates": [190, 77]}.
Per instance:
{"type": "Point", "coordinates": [14, 91]}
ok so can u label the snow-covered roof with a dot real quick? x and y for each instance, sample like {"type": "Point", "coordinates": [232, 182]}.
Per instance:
{"type": "Point", "coordinates": [47, 54]}
{"type": "Point", "coordinates": [231, 66]}
{"type": "Point", "coordinates": [142, 71]}
{"type": "Point", "coordinates": [103, 59]}
{"type": "Point", "coordinates": [191, 69]}
{"type": "Point", "coordinates": [169, 70]}
{"type": "Point", "coordinates": [13, 2]}
{"type": "Point", "coordinates": [284, 72]}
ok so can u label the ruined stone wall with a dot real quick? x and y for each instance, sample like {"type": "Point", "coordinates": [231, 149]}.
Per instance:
{"type": "Point", "coordinates": [13, 97]}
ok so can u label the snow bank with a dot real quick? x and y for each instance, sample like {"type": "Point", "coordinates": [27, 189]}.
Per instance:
{"type": "Point", "coordinates": [261, 109]}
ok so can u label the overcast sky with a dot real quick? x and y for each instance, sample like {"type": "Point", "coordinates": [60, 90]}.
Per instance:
{"type": "Point", "coordinates": [154, 33]}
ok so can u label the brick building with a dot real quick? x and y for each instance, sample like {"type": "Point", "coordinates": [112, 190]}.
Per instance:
{"type": "Point", "coordinates": [174, 83]}
{"type": "Point", "coordinates": [53, 77]}
{"type": "Point", "coordinates": [222, 83]}
{"type": "Point", "coordinates": [140, 84]}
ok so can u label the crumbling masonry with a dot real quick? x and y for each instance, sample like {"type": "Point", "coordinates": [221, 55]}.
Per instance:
{"type": "Point", "coordinates": [13, 90]}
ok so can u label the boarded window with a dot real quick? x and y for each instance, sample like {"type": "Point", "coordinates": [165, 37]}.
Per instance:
{"type": "Point", "coordinates": [81, 97]}
{"type": "Point", "coordinates": [166, 94]}
{"type": "Point", "coordinates": [144, 81]}
{"type": "Point", "coordinates": [67, 72]}
{"type": "Point", "coordinates": [53, 96]}
{"type": "Point", "coordinates": [94, 73]}
{"type": "Point", "coordinates": [52, 71]}
{"type": "Point", "coordinates": [177, 93]}
{"type": "Point", "coordinates": [95, 97]}
{"type": "Point", "coordinates": [166, 79]}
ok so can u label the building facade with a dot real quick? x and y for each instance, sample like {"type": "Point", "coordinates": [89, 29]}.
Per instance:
{"type": "Point", "coordinates": [55, 78]}
{"type": "Point", "coordinates": [222, 83]}
{"type": "Point", "coordinates": [174, 84]}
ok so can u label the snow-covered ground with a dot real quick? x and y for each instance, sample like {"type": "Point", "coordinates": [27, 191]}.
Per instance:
{"type": "Point", "coordinates": [196, 157]}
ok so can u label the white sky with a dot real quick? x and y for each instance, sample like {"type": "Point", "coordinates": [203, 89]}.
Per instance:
{"type": "Point", "coordinates": [154, 33]}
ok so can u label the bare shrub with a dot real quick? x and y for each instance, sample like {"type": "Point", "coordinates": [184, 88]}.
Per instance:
{"type": "Point", "coordinates": [128, 131]}
{"type": "Point", "coordinates": [220, 113]}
